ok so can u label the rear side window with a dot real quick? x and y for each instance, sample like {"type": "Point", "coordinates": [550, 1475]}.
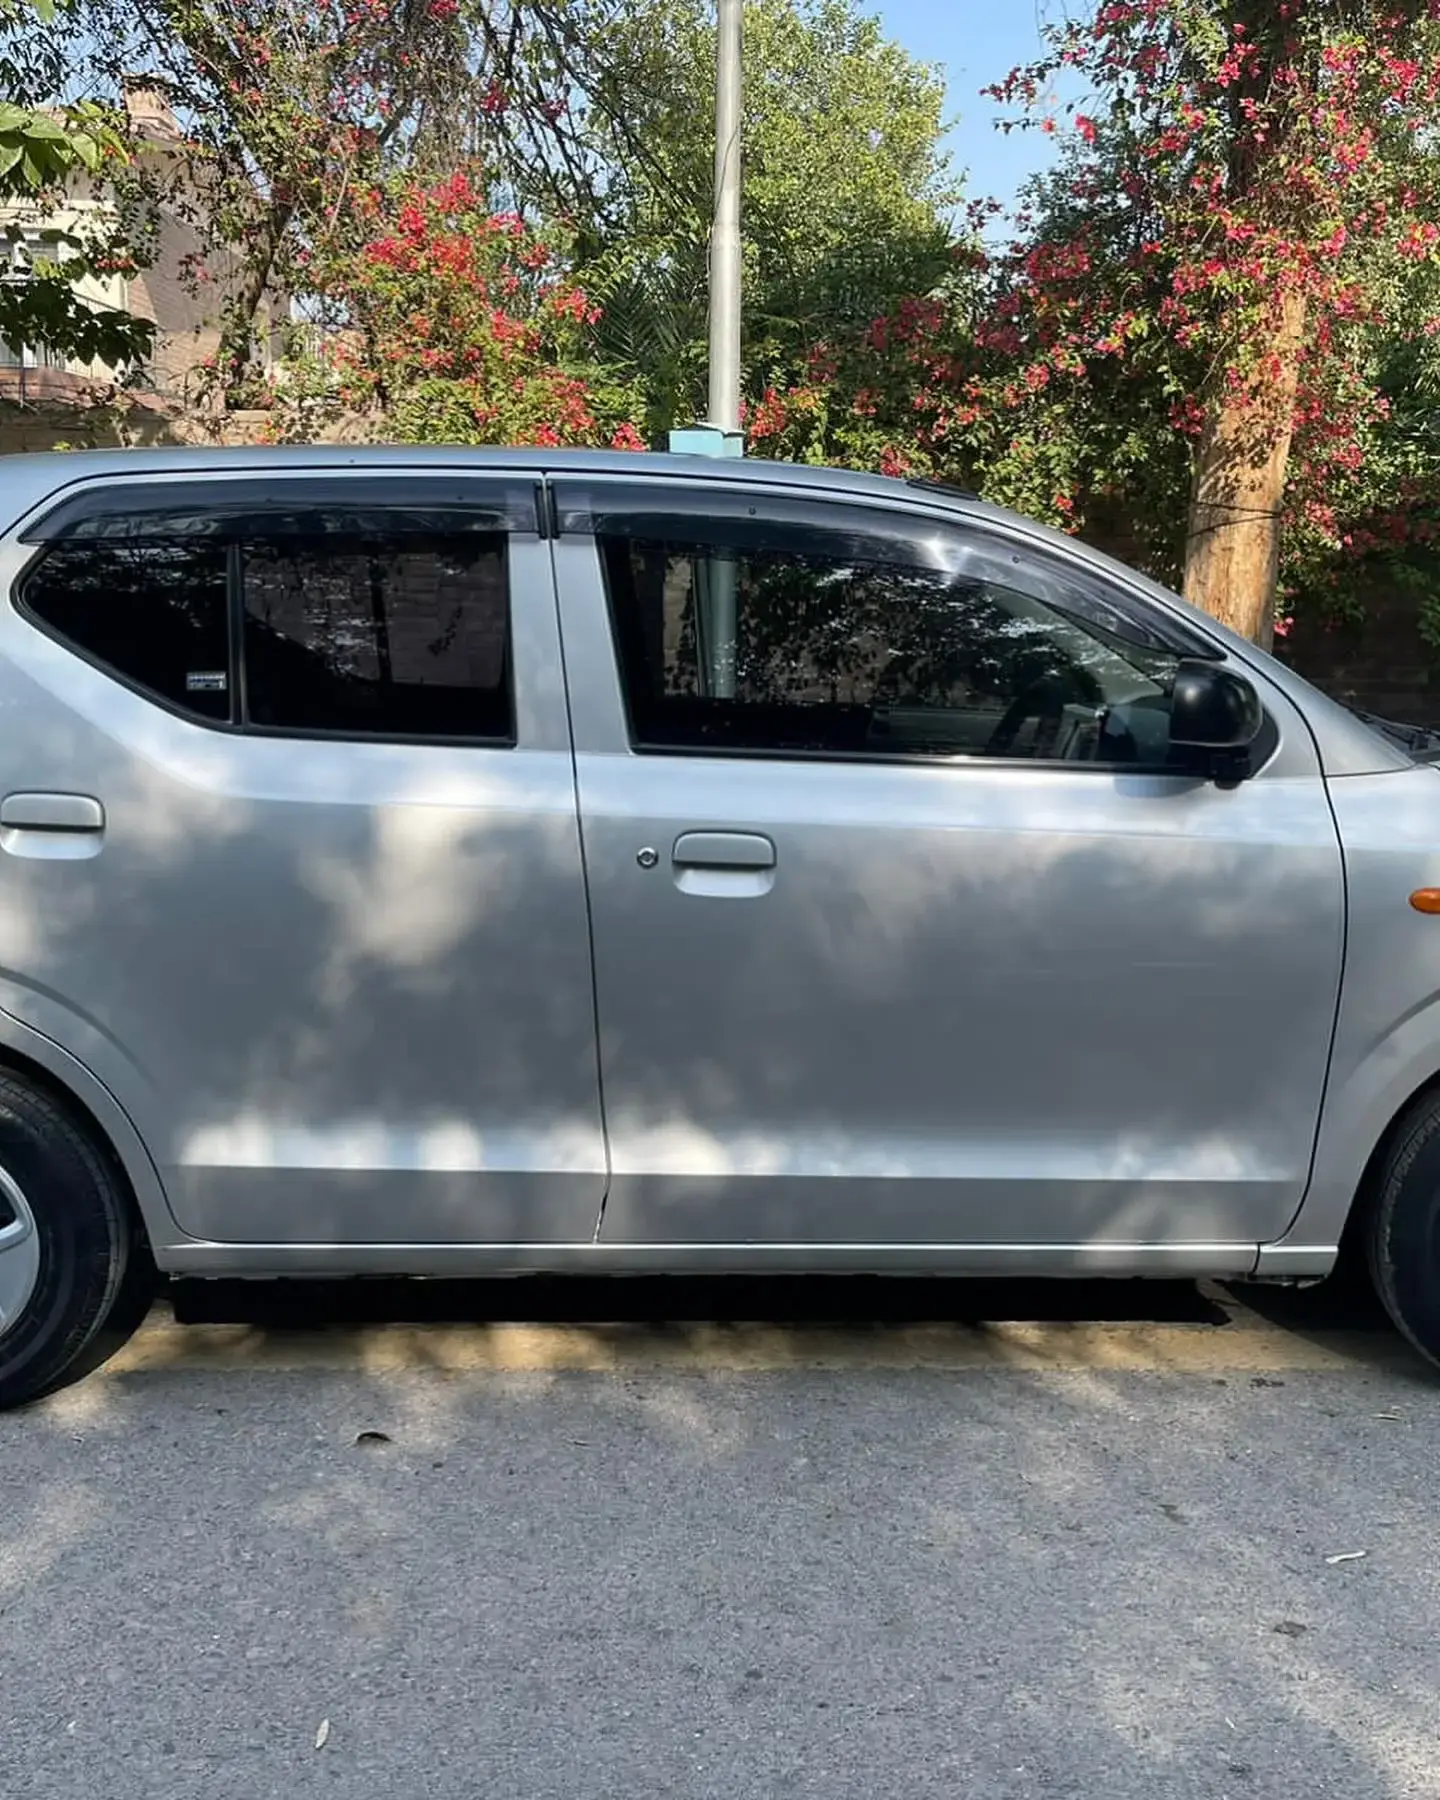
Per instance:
{"type": "Point", "coordinates": [153, 613]}
{"type": "Point", "coordinates": [352, 620]}
{"type": "Point", "coordinates": [376, 635]}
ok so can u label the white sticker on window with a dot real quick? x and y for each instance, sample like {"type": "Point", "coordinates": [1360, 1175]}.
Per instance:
{"type": "Point", "coordinates": [206, 681]}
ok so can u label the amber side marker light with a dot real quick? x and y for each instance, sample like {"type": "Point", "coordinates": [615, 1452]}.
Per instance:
{"type": "Point", "coordinates": [1426, 900]}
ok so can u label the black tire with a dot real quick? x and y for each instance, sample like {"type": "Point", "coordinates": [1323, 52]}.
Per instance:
{"type": "Point", "coordinates": [95, 1276]}
{"type": "Point", "coordinates": [1403, 1237]}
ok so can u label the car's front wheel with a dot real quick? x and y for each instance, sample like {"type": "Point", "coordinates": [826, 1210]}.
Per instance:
{"type": "Point", "coordinates": [1404, 1228]}
{"type": "Point", "coordinates": [75, 1273]}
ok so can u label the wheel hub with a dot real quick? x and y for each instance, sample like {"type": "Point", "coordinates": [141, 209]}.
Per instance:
{"type": "Point", "coordinates": [19, 1253]}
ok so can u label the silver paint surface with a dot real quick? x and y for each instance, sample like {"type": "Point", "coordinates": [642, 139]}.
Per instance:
{"type": "Point", "coordinates": [423, 1007]}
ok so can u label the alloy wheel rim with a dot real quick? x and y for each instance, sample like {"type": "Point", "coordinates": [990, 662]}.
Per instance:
{"type": "Point", "coordinates": [19, 1254]}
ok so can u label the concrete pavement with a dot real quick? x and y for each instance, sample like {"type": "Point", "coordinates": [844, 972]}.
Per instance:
{"type": "Point", "coordinates": [949, 1549]}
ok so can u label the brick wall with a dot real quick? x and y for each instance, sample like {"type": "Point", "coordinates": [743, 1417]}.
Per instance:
{"type": "Point", "coordinates": [186, 311]}
{"type": "Point", "coordinates": [52, 422]}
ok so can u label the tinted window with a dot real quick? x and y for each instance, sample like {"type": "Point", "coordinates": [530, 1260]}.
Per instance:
{"type": "Point", "coordinates": [799, 651]}
{"type": "Point", "coordinates": [152, 612]}
{"type": "Point", "coordinates": [405, 635]}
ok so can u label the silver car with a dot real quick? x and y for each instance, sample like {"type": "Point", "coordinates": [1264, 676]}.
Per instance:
{"type": "Point", "coordinates": [465, 863]}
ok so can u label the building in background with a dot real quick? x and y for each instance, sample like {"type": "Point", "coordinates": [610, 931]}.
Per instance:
{"type": "Point", "coordinates": [182, 292]}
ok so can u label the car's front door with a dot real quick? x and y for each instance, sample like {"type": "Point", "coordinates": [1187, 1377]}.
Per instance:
{"type": "Point", "coordinates": [903, 933]}
{"type": "Point", "coordinates": [290, 854]}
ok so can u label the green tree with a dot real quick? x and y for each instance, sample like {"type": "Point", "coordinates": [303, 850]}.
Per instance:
{"type": "Point", "coordinates": [846, 190]}
{"type": "Point", "coordinates": [285, 106]}
{"type": "Point", "coordinates": [290, 106]}
{"type": "Point", "coordinates": [1209, 339]}
{"type": "Point", "coordinates": [590, 115]}
{"type": "Point", "coordinates": [1250, 213]}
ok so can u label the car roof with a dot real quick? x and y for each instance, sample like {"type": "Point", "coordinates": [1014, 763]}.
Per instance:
{"type": "Point", "coordinates": [44, 471]}
{"type": "Point", "coordinates": [30, 480]}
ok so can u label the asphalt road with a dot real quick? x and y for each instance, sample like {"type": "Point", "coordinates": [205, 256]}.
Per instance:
{"type": "Point", "coordinates": [961, 1542]}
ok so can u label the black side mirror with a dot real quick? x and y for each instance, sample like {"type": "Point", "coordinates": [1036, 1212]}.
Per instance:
{"type": "Point", "coordinates": [1215, 716]}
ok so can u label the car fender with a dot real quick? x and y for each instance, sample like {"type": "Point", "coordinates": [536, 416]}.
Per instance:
{"type": "Point", "coordinates": [1387, 1029]}
{"type": "Point", "coordinates": [24, 1044]}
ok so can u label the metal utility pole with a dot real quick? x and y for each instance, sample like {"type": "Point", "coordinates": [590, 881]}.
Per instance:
{"type": "Point", "coordinates": [725, 233]}
{"type": "Point", "coordinates": [716, 572]}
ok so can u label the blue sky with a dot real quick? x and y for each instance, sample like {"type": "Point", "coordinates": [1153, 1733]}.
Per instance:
{"type": "Point", "coordinates": [977, 43]}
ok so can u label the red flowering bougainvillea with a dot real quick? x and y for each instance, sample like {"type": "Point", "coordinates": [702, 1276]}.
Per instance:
{"type": "Point", "coordinates": [1191, 346]}
{"type": "Point", "coordinates": [284, 107]}
{"type": "Point", "coordinates": [456, 323]}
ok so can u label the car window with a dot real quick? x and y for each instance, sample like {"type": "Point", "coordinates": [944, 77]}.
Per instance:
{"type": "Point", "coordinates": [373, 634]}
{"type": "Point", "coordinates": [360, 620]}
{"type": "Point", "coordinates": [152, 612]}
{"type": "Point", "coordinates": [966, 650]}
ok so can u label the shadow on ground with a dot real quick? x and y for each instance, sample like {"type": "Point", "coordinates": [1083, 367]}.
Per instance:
{"type": "Point", "coordinates": [1339, 1306]}
{"type": "Point", "coordinates": [239, 1567]}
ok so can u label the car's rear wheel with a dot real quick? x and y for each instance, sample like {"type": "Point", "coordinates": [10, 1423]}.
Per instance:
{"type": "Point", "coordinates": [1403, 1239]}
{"type": "Point", "coordinates": [75, 1273]}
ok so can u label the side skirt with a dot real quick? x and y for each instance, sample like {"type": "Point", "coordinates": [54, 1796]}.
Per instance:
{"type": "Point", "coordinates": [1174, 1261]}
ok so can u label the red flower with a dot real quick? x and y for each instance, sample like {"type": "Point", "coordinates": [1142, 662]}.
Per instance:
{"type": "Point", "coordinates": [771, 416]}
{"type": "Point", "coordinates": [571, 303]}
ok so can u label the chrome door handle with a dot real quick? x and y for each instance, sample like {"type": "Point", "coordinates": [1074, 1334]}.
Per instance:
{"type": "Point", "coordinates": [723, 850]}
{"type": "Point", "coordinates": [52, 812]}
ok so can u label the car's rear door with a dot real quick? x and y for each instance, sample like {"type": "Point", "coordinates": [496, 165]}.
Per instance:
{"type": "Point", "coordinates": [289, 851]}
{"type": "Point", "coordinates": [903, 933]}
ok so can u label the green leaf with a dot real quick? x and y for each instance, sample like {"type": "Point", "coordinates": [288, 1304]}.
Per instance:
{"type": "Point", "coordinates": [42, 130]}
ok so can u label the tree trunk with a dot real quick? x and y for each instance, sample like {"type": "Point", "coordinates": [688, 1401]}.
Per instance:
{"type": "Point", "coordinates": [237, 337]}
{"type": "Point", "coordinates": [1232, 546]}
